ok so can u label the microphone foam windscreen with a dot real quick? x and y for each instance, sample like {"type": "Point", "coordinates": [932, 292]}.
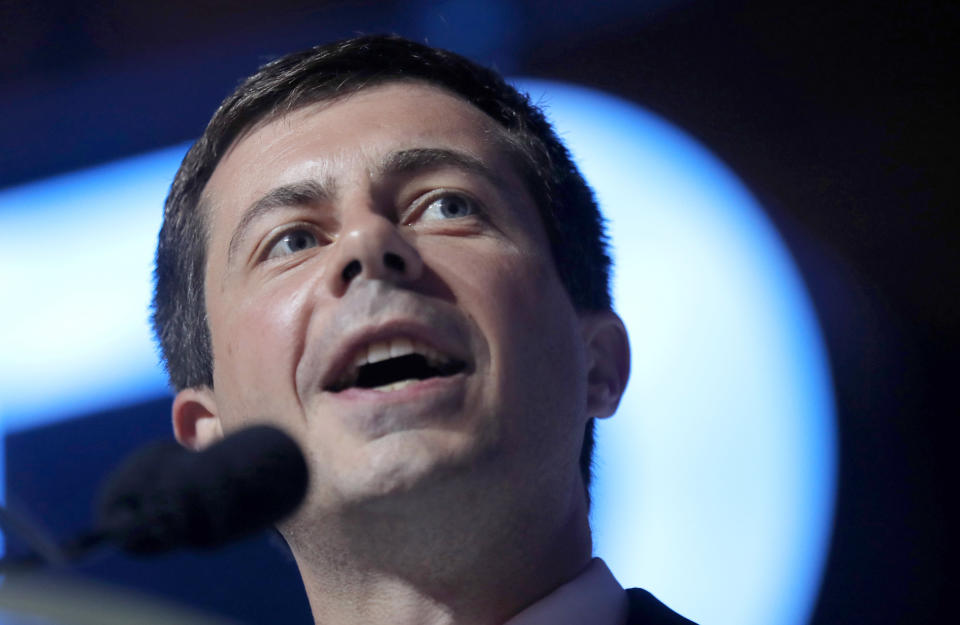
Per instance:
{"type": "Point", "coordinates": [165, 497]}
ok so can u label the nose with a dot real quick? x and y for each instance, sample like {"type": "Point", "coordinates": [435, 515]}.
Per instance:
{"type": "Point", "coordinates": [371, 247]}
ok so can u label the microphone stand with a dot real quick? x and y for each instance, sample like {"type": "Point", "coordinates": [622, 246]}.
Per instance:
{"type": "Point", "coordinates": [45, 552]}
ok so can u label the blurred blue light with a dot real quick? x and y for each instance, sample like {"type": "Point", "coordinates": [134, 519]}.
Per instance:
{"type": "Point", "coordinates": [715, 480]}
{"type": "Point", "coordinates": [77, 255]}
{"type": "Point", "coordinates": [482, 29]}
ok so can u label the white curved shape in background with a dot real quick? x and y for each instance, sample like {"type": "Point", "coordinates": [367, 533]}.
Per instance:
{"type": "Point", "coordinates": [716, 479]}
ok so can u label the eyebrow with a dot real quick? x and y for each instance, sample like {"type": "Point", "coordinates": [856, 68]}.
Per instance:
{"type": "Point", "coordinates": [416, 159]}
{"type": "Point", "coordinates": [301, 193]}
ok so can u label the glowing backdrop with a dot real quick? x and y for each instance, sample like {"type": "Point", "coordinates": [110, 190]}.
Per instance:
{"type": "Point", "coordinates": [715, 480]}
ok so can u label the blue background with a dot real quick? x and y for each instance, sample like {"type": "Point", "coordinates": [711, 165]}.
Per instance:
{"type": "Point", "coordinates": [839, 119]}
{"type": "Point", "coordinates": [718, 499]}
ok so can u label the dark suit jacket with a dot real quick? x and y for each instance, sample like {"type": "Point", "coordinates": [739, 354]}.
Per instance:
{"type": "Point", "coordinates": [646, 610]}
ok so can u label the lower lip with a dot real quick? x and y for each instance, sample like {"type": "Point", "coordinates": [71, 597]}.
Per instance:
{"type": "Point", "coordinates": [407, 393]}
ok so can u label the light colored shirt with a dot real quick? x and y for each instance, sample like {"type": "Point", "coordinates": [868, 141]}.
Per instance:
{"type": "Point", "coordinates": [594, 596]}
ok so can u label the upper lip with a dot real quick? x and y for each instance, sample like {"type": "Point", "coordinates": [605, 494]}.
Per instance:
{"type": "Point", "coordinates": [344, 355]}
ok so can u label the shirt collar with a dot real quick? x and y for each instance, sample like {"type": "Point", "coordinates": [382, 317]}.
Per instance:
{"type": "Point", "coordinates": [594, 596]}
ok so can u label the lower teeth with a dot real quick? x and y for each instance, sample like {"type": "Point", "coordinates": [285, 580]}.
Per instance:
{"type": "Point", "coordinates": [393, 386]}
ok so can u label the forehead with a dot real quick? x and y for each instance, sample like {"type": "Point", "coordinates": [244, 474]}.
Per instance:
{"type": "Point", "coordinates": [325, 139]}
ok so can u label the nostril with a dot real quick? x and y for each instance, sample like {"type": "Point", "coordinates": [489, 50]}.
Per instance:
{"type": "Point", "coordinates": [394, 261]}
{"type": "Point", "coordinates": [351, 271]}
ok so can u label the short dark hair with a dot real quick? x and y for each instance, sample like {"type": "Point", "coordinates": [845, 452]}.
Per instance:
{"type": "Point", "coordinates": [566, 204]}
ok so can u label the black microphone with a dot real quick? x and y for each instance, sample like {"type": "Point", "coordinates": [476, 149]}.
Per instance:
{"type": "Point", "coordinates": [164, 497]}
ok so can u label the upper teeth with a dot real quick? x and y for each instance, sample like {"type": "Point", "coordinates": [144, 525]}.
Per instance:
{"type": "Point", "coordinates": [384, 350]}
{"type": "Point", "coordinates": [394, 348]}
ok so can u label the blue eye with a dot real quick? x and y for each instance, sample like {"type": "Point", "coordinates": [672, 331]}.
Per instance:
{"type": "Point", "coordinates": [449, 207]}
{"type": "Point", "coordinates": [293, 241]}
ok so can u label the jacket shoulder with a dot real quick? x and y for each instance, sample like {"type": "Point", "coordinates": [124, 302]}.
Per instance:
{"type": "Point", "coordinates": [645, 609]}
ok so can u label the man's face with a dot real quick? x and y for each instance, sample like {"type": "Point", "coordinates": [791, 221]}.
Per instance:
{"type": "Point", "coordinates": [379, 285]}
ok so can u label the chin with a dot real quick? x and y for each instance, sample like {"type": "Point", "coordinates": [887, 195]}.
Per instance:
{"type": "Point", "coordinates": [407, 465]}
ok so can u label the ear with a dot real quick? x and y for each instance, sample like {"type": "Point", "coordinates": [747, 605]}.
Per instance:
{"type": "Point", "coordinates": [195, 421]}
{"type": "Point", "coordinates": [608, 361]}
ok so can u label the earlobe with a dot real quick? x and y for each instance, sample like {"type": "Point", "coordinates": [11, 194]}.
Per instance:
{"type": "Point", "coordinates": [608, 361]}
{"type": "Point", "coordinates": [195, 421]}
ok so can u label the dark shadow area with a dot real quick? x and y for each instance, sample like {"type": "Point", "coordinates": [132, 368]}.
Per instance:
{"type": "Point", "coordinates": [841, 117]}
{"type": "Point", "coordinates": [53, 474]}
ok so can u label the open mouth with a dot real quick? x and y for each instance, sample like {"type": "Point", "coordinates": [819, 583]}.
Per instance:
{"type": "Point", "coordinates": [394, 364]}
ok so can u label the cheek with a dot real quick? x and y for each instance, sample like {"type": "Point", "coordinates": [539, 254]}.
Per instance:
{"type": "Point", "coordinates": [256, 346]}
{"type": "Point", "coordinates": [517, 300]}
{"type": "Point", "coordinates": [538, 361]}
{"type": "Point", "coordinates": [530, 304]}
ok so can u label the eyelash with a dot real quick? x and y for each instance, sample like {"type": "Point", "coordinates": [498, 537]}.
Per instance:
{"type": "Point", "coordinates": [424, 204]}
{"type": "Point", "coordinates": [288, 231]}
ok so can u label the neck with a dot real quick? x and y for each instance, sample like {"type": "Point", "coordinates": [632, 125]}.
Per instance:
{"type": "Point", "coordinates": [442, 562]}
